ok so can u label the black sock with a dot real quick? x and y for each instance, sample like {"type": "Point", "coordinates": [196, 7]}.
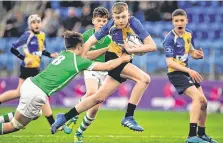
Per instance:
{"type": "Point", "coordinates": [50, 119]}
{"type": "Point", "coordinates": [201, 131]}
{"type": "Point", "coordinates": [72, 113]}
{"type": "Point", "coordinates": [0, 102]}
{"type": "Point", "coordinates": [193, 129]}
{"type": "Point", "coordinates": [130, 110]}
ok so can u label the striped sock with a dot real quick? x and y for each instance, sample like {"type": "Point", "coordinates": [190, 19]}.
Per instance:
{"type": "Point", "coordinates": [1, 128]}
{"type": "Point", "coordinates": [7, 117]}
{"type": "Point", "coordinates": [85, 124]}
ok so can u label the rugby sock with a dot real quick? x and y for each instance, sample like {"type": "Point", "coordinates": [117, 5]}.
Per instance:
{"type": "Point", "coordinates": [0, 102]}
{"type": "Point", "coordinates": [1, 128]}
{"type": "Point", "coordinates": [201, 131]}
{"type": "Point", "coordinates": [193, 129]}
{"type": "Point", "coordinates": [85, 124]}
{"type": "Point", "coordinates": [50, 119]}
{"type": "Point", "coordinates": [130, 110]}
{"type": "Point", "coordinates": [7, 117]}
{"type": "Point", "coordinates": [72, 113]}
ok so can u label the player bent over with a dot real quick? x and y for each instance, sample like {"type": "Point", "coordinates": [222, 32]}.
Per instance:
{"type": "Point", "coordinates": [35, 90]}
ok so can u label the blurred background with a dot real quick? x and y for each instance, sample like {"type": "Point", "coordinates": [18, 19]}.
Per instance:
{"type": "Point", "coordinates": [205, 20]}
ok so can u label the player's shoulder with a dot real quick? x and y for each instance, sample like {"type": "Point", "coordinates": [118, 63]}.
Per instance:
{"type": "Point", "coordinates": [189, 30]}
{"type": "Point", "coordinates": [89, 32]}
{"type": "Point", "coordinates": [27, 33]}
{"type": "Point", "coordinates": [132, 20]}
{"type": "Point", "coordinates": [169, 36]}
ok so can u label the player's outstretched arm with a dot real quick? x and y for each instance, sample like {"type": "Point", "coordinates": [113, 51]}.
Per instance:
{"type": "Point", "coordinates": [96, 53]}
{"type": "Point", "coordinates": [112, 63]}
{"type": "Point", "coordinates": [88, 44]}
{"type": "Point", "coordinates": [195, 75]}
{"type": "Point", "coordinates": [148, 46]}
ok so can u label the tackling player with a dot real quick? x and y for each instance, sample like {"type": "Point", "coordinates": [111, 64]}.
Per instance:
{"type": "Point", "coordinates": [36, 90]}
{"type": "Point", "coordinates": [93, 79]}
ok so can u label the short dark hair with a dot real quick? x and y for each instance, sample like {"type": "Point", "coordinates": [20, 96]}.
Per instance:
{"type": "Point", "coordinates": [178, 12]}
{"type": "Point", "coordinates": [72, 39]}
{"type": "Point", "coordinates": [101, 12]}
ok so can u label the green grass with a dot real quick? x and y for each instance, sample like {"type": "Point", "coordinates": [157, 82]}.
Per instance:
{"type": "Point", "coordinates": [160, 127]}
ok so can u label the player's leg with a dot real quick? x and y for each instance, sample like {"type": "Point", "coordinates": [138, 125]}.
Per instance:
{"type": "Point", "coordinates": [91, 113]}
{"type": "Point", "coordinates": [197, 99]}
{"type": "Point", "coordinates": [7, 117]}
{"type": "Point", "coordinates": [17, 123]}
{"type": "Point", "coordinates": [11, 94]}
{"type": "Point", "coordinates": [103, 92]}
{"type": "Point", "coordinates": [92, 84]}
{"type": "Point", "coordinates": [48, 113]}
{"type": "Point", "coordinates": [142, 81]}
{"type": "Point", "coordinates": [202, 120]}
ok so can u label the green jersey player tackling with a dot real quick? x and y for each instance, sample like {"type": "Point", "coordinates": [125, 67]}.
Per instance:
{"type": "Point", "coordinates": [35, 91]}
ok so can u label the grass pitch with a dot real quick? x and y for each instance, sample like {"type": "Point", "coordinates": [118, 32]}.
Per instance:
{"type": "Point", "coordinates": [160, 127]}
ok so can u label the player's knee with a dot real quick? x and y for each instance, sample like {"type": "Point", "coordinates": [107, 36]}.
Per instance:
{"type": "Point", "coordinates": [204, 106]}
{"type": "Point", "coordinates": [39, 114]}
{"type": "Point", "coordinates": [145, 79]}
{"type": "Point", "coordinates": [16, 124]}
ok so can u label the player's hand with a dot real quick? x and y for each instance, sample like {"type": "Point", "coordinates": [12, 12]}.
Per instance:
{"type": "Point", "coordinates": [54, 55]}
{"type": "Point", "coordinates": [125, 57]}
{"type": "Point", "coordinates": [195, 76]}
{"type": "Point", "coordinates": [199, 53]}
{"type": "Point", "coordinates": [128, 49]}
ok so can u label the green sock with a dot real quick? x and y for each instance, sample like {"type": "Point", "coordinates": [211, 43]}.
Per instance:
{"type": "Point", "coordinates": [7, 117]}
{"type": "Point", "coordinates": [1, 128]}
{"type": "Point", "coordinates": [85, 124]}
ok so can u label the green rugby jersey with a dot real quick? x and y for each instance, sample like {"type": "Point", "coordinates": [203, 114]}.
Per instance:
{"type": "Point", "coordinates": [103, 43]}
{"type": "Point", "coordinates": [61, 71]}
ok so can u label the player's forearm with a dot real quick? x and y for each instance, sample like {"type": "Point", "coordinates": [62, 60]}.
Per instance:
{"type": "Point", "coordinates": [113, 63]}
{"type": "Point", "coordinates": [17, 54]}
{"type": "Point", "coordinates": [46, 53]}
{"type": "Point", "coordinates": [88, 44]}
{"type": "Point", "coordinates": [145, 48]}
{"type": "Point", "coordinates": [96, 53]}
{"type": "Point", "coordinates": [176, 66]}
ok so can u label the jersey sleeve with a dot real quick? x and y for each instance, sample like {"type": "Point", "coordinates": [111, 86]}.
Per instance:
{"type": "Point", "coordinates": [137, 27]}
{"type": "Point", "coordinates": [85, 36]}
{"type": "Point", "coordinates": [22, 40]}
{"type": "Point", "coordinates": [168, 46]}
{"type": "Point", "coordinates": [86, 64]}
{"type": "Point", "coordinates": [104, 30]}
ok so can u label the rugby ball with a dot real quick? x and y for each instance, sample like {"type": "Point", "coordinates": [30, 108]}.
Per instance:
{"type": "Point", "coordinates": [134, 40]}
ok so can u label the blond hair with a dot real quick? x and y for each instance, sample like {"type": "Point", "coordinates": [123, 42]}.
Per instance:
{"type": "Point", "coordinates": [119, 7]}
